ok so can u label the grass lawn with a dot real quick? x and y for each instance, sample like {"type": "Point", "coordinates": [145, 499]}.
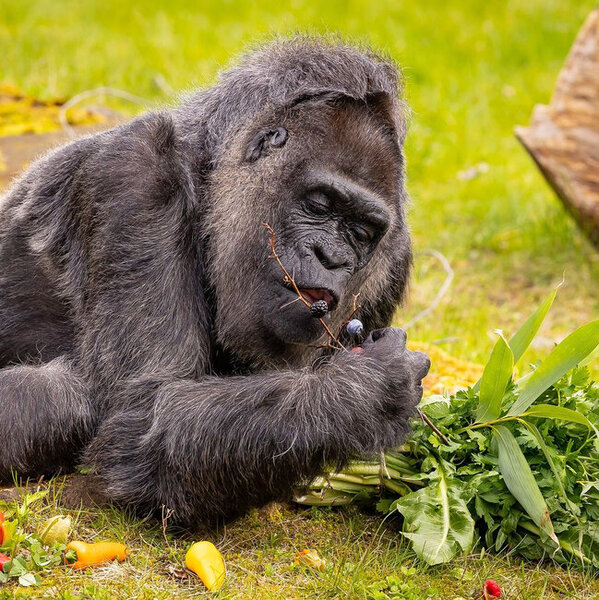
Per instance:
{"type": "Point", "coordinates": [473, 71]}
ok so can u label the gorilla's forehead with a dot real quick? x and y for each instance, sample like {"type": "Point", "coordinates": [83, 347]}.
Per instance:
{"type": "Point", "coordinates": [355, 140]}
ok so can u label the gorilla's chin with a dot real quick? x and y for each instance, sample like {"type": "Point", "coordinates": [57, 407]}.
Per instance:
{"type": "Point", "coordinates": [293, 324]}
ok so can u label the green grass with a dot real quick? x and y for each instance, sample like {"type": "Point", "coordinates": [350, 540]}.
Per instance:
{"type": "Point", "coordinates": [365, 558]}
{"type": "Point", "coordinates": [473, 71]}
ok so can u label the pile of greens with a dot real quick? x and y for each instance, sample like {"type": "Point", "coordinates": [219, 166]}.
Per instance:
{"type": "Point", "coordinates": [510, 464]}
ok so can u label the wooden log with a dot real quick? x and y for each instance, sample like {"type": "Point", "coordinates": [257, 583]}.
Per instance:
{"type": "Point", "coordinates": [563, 138]}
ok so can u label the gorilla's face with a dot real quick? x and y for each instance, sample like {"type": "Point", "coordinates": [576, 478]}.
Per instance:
{"type": "Point", "coordinates": [328, 180]}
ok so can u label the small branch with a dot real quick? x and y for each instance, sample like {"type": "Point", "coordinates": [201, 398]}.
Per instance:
{"type": "Point", "coordinates": [333, 340]}
{"type": "Point", "coordinates": [166, 514]}
{"type": "Point", "coordinates": [101, 91]}
{"type": "Point", "coordinates": [288, 278]}
{"type": "Point", "coordinates": [339, 345]}
{"type": "Point", "coordinates": [355, 309]}
{"type": "Point", "coordinates": [433, 427]}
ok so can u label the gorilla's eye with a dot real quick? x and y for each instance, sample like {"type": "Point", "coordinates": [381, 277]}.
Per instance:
{"type": "Point", "coordinates": [318, 204]}
{"type": "Point", "coordinates": [362, 233]}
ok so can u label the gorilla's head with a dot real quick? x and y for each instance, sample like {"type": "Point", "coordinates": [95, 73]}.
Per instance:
{"type": "Point", "coordinates": [307, 137]}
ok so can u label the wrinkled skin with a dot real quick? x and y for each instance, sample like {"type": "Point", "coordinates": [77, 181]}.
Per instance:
{"type": "Point", "coordinates": [145, 328]}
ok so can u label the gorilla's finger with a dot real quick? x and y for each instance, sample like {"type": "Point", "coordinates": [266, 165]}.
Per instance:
{"type": "Point", "coordinates": [374, 336]}
{"type": "Point", "coordinates": [422, 364]}
{"type": "Point", "coordinates": [398, 335]}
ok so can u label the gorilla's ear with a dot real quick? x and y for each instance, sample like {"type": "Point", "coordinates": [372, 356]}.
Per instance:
{"type": "Point", "coordinates": [271, 137]}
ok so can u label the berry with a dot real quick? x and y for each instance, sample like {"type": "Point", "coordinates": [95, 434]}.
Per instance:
{"type": "Point", "coordinates": [355, 327]}
{"type": "Point", "coordinates": [491, 590]}
{"type": "Point", "coordinates": [319, 308]}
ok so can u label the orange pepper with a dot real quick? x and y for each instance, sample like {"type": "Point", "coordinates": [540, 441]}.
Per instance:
{"type": "Point", "coordinates": [6, 530]}
{"type": "Point", "coordinates": [96, 554]}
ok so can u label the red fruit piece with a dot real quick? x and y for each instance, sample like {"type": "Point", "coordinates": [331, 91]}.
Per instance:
{"type": "Point", "coordinates": [1, 528]}
{"type": "Point", "coordinates": [3, 559]}
{"type": "Point", "coordinates": [357, 349]}
{"type": "Point", "coordinates": [491, 590]}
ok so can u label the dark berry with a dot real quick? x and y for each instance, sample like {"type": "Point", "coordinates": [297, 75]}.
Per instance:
{"type": "Point", "coordinates": [355, 327]}
{"type": "Point", "coordinates": [319, 308]}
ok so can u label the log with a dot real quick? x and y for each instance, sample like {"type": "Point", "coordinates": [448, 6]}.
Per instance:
{"type": "Point", "coordinates": [563, 138]}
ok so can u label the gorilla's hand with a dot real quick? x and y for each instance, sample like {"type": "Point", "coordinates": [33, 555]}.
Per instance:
{"type": "Point", "coordinates": [392, 375]}
{"type": "Point", "coordinates": [401, 366]}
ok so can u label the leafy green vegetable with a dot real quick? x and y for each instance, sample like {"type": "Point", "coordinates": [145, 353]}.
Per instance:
{"type": "Point", "coordinates": [521, 340]}
{"type": "Point", "coordinates": [437, 519]}
{"type": "Point", "coordinates": [516, 467]}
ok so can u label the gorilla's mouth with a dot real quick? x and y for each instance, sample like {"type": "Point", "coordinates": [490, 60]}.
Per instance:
{"type": "Point", "coordinates": [314, 294]}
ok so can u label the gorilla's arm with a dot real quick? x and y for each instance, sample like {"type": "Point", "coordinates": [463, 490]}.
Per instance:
{"type": "Point", "coordinates": [217, 446]}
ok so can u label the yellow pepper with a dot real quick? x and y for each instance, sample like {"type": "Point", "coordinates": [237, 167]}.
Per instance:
{"type": "Point", "coordinates": [310, 558]}
{"type": "Point", "coordinates": [55, 529]}
{"type": "Point", "coordinates": [207, 563]}
{"type": "Point", "coordinates": [96, 554]}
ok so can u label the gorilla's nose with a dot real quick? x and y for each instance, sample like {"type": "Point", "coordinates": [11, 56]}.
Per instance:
{"type": "Point", "coordinates": [331, 258]}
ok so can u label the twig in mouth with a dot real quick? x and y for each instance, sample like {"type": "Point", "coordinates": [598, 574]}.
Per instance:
{"type": "Point", "coordinates": [288, 304]}
{"type": "Point", "coordinates": [289, 279]}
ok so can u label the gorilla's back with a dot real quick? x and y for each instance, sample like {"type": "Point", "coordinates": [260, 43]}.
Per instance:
{"type": "Point", "coordinates": [34, 321]}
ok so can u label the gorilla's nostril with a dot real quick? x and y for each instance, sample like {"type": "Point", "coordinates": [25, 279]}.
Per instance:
{"type": "Point", "coordinates": [321, 256]}
{"type": "Point", "coordinates": [329, 260]}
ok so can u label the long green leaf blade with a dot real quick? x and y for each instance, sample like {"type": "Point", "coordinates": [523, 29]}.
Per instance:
{"type": "Point", "coordinates": [550, 411]}
{"type": "Point", "coordinates": [520, 481]}
{"type": "Point", "coordinates": [521, 340]}
{"type": "Point", "coordinates": [593, 356]}
{"type": "Point", "coordinates": [565, 356]}
{"type": "Point", "coordinates": [494, 381]}
{"type": "Point", "coordinates": [557, 474]}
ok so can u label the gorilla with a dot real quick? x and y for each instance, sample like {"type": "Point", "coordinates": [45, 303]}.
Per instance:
{"type": "Point", "coordinates": [147, 332]}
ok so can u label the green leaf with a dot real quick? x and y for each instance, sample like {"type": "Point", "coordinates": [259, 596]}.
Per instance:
{"type": "Point", "coordinates": [520, 481]}
{"type": "Point", "coordinates": [16, 567]}
{"type": "Point", "coordinates": [437, 520]}
{"type": "Point", "coordinates": [574, 509]}
{"type": "Point", "coordinates": [494, 381]}
{"type": "Point", "coordinates": [566, 355]}
{"type": "Point", "coordinates": [593, 356]}
{"type": "Point", "coordinates": [521, 340]}
{"type": "Point", "coordinates": [550, 411]}
{"type": "Point", "coordinates": [28, 579]}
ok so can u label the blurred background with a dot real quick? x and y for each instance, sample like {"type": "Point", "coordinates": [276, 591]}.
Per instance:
{"type": "Point", "coordinates": [473, 71]}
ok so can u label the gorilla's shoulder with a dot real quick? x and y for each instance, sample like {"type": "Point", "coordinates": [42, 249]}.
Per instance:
{"type": "Point", "coordinates": [144, 160]}
{"type": "Point", "coordinates": [151, 136]}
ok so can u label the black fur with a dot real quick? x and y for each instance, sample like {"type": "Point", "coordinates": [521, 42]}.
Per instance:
{"type": "Point", "coordinates": [144, 328]}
